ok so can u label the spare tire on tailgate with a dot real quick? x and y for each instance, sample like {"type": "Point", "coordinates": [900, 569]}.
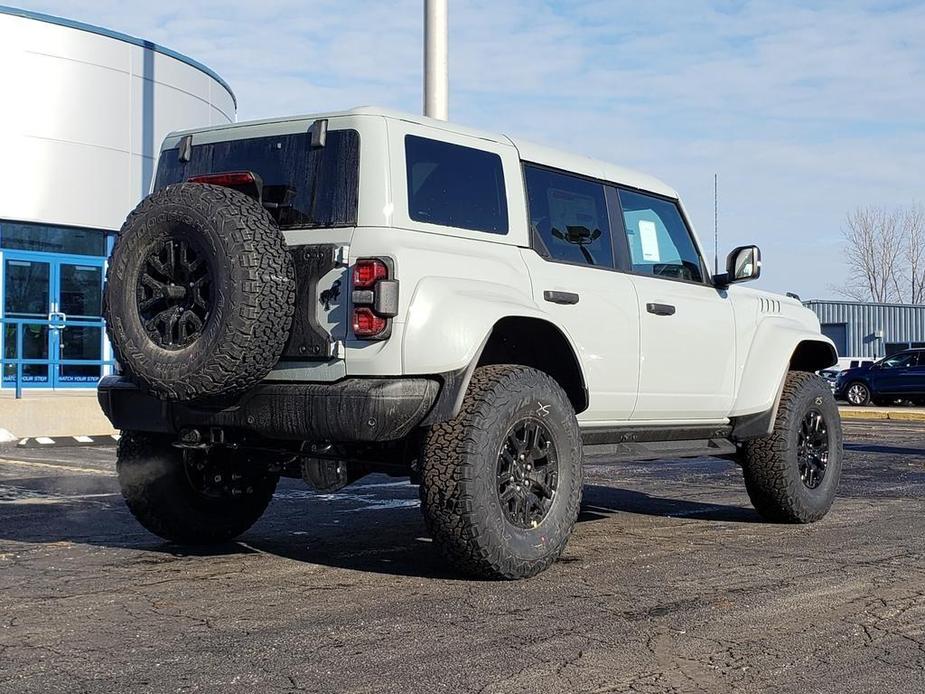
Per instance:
{"type": "Point", "coordinates": [199, 292]}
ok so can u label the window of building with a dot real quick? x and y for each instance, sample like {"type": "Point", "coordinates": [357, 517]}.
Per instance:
{"type": "Point", "coordinates": [26, 289]}
{"type": "Point", "coordinates": [659, 241]}
{"type": "Point", "coordinates": [303, 187]}
{"type": "Point", "coordinates": [894, 347]}
{"type": "Point", "coordinates": [455, 186]}
{"type": "Point", "coordinates": [22, 236]}
{"type": "Point", "coordinates": [568, 218]}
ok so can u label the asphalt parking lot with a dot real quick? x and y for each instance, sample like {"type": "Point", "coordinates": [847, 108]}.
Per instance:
{"type": "Point", "coordinates": [670, 583]}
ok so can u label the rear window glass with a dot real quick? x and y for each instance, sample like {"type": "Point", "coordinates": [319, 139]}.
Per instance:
{"type": "Point", "coordinates": [455, 186]}
{"type": "Point", "coordinates": [302, 186]}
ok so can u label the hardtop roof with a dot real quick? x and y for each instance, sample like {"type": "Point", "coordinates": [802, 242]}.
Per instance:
{"type": "Point", "coordinates": [529, 151]}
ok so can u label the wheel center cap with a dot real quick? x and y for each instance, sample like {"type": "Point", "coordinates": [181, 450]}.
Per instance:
{"type": "Point", "coordinates": [174, 291]}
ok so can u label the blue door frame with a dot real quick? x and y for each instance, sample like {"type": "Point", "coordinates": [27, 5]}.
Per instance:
{"type": "Point", "coordinates": [43, 346]}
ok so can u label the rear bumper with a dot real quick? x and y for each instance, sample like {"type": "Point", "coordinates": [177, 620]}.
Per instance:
{"type": "Point", "coordinates": [352, 410]}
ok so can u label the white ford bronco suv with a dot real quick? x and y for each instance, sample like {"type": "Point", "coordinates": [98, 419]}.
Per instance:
{"type": "Point", "coordinates": [339, 294]}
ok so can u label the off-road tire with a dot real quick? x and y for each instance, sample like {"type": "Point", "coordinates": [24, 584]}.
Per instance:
{"type": "Point", "coordinates": [157, 490]}
{"type": "Point", "coordinates": [252, 303]}
{"type": "Point", "coordinates": [770, 464]}
{"type": "Point", "coordinates": [459, 472]}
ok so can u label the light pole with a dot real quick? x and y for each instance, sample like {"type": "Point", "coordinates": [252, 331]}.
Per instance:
{"type": "Point", "coordinates": [436, 65]}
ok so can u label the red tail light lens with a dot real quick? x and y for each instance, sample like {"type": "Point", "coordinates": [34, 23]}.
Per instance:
{"type": "Point", "coordinates": [368, 271]}
{"type": "Point", "coordinates": [233, 178]}
{"type": "Point", "coordinates": [368, 324]}
{"type": "Point", "coordinates": [375, 296]}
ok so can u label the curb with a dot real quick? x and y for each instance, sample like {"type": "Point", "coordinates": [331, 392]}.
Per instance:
{"type": "Point", "coordinates": [67, 441]}
{"type": "Point", "coordinates": [872, 414]}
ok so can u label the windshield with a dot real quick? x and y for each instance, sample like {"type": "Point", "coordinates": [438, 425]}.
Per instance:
{"type": "Point", "coordinates": [302, 186]}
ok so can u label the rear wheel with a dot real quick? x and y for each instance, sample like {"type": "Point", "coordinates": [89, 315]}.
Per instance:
{"type": "Point", "coordinates": [792, 474]}
{"type": "Point", "coordinates": [501, 483]}
{"type": "Point", "coordinates": [858, 394]}
{"type": "Point", "coordinates": [191, 497]}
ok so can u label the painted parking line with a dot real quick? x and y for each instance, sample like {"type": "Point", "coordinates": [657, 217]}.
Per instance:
{"type": "Point", "coordinates": [57, 441]}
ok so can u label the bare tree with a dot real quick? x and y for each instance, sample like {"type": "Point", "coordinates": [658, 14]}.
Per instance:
{"type": "Point", "coordinates": [885, 254]}
{"type": "Point", "coordinates": [912, 222]}
{"type": "Point", "coordinates": [874, 247]}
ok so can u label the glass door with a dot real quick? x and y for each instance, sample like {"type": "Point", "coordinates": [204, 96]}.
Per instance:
{"type": "Point", "coordinates": [52, 310]}
{"type": "Point", "coordinates": [27, 294]}
{"type": "Point", "coordinates": [77, 322]}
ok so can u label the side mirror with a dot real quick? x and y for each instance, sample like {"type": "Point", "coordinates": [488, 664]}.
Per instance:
{"type": "Point", "coordinates": [743, 264]}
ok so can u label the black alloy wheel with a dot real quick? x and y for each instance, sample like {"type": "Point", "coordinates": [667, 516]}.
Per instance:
{"type": "Point", "coordinates": [174, 294]}
{"type": "Point", "coordinates": [792, 474]}
{"type": "Point", "coordinates": [528, 472]}
{"type": "Point", "coordinates": [813, 449]}
{"type": "Point", "coordinates": [501, 482]}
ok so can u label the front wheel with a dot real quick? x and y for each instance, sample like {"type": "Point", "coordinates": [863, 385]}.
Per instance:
{"type": "Point", "coordinates": [191, 497]}
{"type": "Point", "coordinates": [792, 474]}
{"type": "Point", "coordinates": [501, 483]}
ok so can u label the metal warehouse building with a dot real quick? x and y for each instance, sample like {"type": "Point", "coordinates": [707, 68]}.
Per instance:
{"type": "Point", "coordinates": [861, 329]}
{"type": "Point", "coordinates": [83, 112]}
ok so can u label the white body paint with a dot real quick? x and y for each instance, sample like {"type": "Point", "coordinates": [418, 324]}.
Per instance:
{"type": "Point", "coordinates": [723, 354]}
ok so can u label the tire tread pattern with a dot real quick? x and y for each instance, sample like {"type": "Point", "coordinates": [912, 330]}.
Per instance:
{"type": "Point", "coordinates": [457, 518]}
{"type": "Point", "coordinates": [257, 312]}
{"type": "Point", "coordinates": [771, 474]}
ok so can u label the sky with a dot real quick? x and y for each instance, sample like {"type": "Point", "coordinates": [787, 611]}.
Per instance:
{"type": "Point", "coordinates": [804, 110]}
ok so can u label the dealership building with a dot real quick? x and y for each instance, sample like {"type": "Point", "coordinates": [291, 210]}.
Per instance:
{"type": "Point", "coordinates": [85, 111]}
{"type": "Point", "coordinates": [863, 330]}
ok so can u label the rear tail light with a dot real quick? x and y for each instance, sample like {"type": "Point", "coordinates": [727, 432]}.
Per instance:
{"type": "Point", "coordinates": [367, 324]}
{"type": "Point", "coordinates": [368, 271]}
{"type": "Point", "coordinates": [375, 299]}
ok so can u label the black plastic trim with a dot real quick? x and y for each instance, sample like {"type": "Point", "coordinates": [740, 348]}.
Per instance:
{"type": "Point", "coordinates": [455, 384]}
{"type": "Point", "coordinates": [753, 426]}
{"type": "Point", "coordinates": [557, 297]}
{"type": "Point", "coordinates": [660, 309]}
{"type": "Point", "coordinates": [656, 450]}
{"type": "Point", "coordinates": [348, 411]}
{"type": "Point", "coordinates": [635, 433]}
{"type": "Point", "coordinates": [307, 339]}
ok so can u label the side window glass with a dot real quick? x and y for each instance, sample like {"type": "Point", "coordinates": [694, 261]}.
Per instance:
{"type": "Point", "coordinates": [659, 241]}
{"type": "Point", "coordinates": [900, 361]}
{"type": "Point", "coordinates": [568, 218]}
{"type": "Point", "coordinates": [455, 186]}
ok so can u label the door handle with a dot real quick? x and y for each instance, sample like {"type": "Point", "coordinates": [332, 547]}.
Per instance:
{"type": "Point", "coordinates": [561, 297]}
{"type": "Point", "coordinates": [661, 309]}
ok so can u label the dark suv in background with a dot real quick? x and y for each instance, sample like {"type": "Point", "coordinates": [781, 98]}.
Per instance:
{"type": "Point", "coordinates": [900, 376]}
